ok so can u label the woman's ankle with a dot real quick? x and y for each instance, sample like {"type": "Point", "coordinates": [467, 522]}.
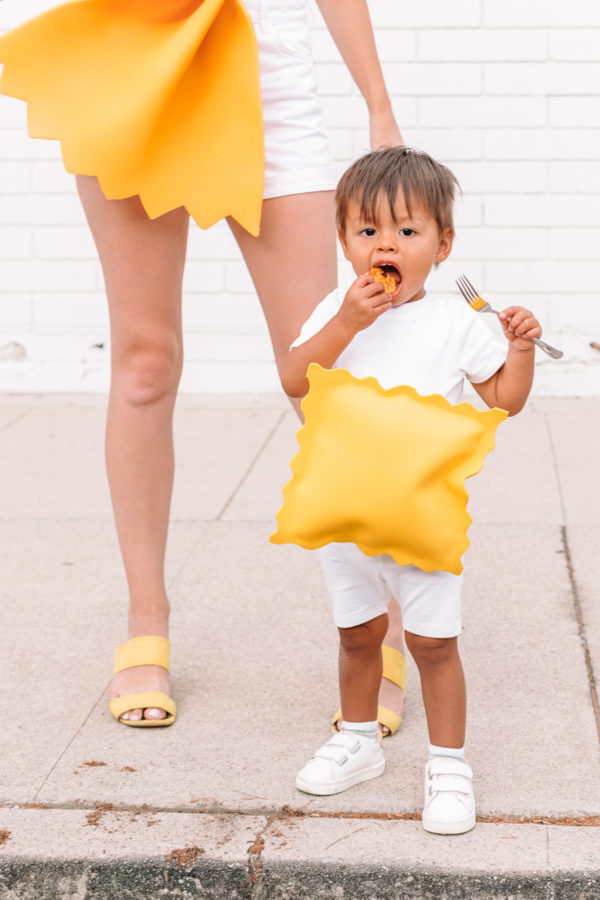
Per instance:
{"type": "Point", "coordinates": [153, 621]}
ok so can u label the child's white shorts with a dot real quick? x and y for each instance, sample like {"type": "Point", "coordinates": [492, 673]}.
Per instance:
{"type": "Point", "coordinates": [360, 588]}
{"type": "Point", "coordinates": [297, 156]}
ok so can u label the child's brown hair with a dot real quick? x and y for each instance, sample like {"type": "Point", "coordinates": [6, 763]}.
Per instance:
{"type": "Point", "coordinates": [421, 178]}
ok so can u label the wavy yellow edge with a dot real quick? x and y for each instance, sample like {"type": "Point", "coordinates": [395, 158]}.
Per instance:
{"type": "Point", "coordinates": [40, 65]}
{"type": "Point", "coordinates": [320, 380]}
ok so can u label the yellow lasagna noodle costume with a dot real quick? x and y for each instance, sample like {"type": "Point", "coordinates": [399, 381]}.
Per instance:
{"type": "Point", "coordinates": [384, 469]}
{"type": "Point", "coordinates": [156, 99]}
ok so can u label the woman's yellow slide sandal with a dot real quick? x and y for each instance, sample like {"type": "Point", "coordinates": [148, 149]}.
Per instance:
{"type": "Point", "coordinates": [143, 651]}
{"type": "Point", "coordinates": [394, 669]}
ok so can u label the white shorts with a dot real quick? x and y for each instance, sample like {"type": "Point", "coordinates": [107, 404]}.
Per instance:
{"type": "Point", "coordinates": [297, 156]}
{"type": "Point", "coordinates": [360, 588]}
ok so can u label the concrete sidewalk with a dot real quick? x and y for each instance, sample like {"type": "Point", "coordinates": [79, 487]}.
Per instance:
{"type": "Point", "coordinates": [208, 808]}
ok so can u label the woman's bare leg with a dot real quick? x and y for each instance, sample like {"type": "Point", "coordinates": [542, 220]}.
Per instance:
{"type": "Point", "coordinates": [143, 262]}
{"type": "Point", "coordinates": [390, 695]}
{"type": "Point", "coordinates": [293, 265]}
{"type": "Point", "coordinates": [292, 262]}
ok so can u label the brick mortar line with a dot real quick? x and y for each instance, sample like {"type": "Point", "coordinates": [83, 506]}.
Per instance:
{"type": "Point", "coordinates": [581, 629]}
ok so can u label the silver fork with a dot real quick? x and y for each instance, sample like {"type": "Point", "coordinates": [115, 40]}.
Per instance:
{"type": "Point", "coordinates": [477, 303]}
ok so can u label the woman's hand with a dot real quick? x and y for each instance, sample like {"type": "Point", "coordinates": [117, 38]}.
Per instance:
{"type": "Point", "coordinates": [384, 131]}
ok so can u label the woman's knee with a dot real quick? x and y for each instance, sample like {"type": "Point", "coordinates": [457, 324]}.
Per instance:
{"type": "Point", "coordinates": [364, 638]}
{"type": "Point", "coordinates": [148, 372]}
{"type": "Point", "coordinates": [431, 651]}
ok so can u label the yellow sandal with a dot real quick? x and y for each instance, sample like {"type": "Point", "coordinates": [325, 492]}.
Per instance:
{"type": "Point", "coordinates": [143, 651]}
{"type": "Point", "coordinates": [394, 669]}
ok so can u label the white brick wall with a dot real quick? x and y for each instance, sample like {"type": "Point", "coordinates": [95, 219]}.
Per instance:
{"type": "Point", "coordinates": [504, 91]}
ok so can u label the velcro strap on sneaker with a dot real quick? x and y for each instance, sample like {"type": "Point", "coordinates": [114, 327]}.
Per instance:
{"type": "Point", "coordinates": [338, 747]}
{"type": "Point", "coordinates": [455, 783]}
{"type": "Point", "coordinates": [449, 774]}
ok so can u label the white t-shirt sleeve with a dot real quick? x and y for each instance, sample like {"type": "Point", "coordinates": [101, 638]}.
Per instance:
{"type": "Point", "coordinates": [482, 353]}
{"type": "Point", "coordinates": [320, 316]}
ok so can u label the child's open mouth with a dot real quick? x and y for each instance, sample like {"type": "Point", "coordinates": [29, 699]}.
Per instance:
{"type": "Point", "coordinates": [391, 270]}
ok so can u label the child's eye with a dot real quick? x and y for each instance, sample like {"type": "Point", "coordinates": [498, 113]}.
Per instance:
{"type": "Point", "coordinates": [369, 232]}
{"type": "Point", "coordinates": [407, 232]}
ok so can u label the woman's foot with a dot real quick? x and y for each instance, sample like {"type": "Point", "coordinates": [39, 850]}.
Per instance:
{"type": "Point", "coordinates": [138, 680]}
{"type": "Point", "coordinates": [144, 678]}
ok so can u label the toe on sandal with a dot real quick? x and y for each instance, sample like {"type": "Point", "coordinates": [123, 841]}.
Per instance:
{"type": "Point", "coordinates": [394, 669]}
{"type": "Point", "coordinates": [143, 651]}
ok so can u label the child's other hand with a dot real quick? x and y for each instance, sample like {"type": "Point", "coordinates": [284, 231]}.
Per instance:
{"type": "Point", "coordinates": [519, 326]}
{"type": "Point", "coordinates": [364, 302]}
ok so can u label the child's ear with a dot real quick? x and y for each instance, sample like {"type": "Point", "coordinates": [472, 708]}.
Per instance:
{"type": "Point", "coordinates": [342, 240]}
{"type": "Point", "coordinates": [444, 247]}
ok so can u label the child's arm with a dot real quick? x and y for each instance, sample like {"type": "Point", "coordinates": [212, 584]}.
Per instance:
{"type": "Point", "coordinates": [364, 302]}
{"type": "Point", "coordinates": [509, 387]}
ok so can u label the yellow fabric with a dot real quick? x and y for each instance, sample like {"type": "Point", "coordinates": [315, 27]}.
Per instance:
{"type": "Point", "coordinates": [384, 469]}
{"type": "Point", "coordinates": [160, 100]}
{"type": "Point", "coordinates": [144, 700]}
{"type": "Point", "coordinates": [142, 651]}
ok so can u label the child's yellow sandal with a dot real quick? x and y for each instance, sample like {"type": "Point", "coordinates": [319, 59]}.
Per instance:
{"type": "Point", "coordinates": [143, 651]}
{"type": "Point", "coordinates": [394, 669]}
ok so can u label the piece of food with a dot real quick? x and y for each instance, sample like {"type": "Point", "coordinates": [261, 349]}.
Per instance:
{"type": "Point", "coordinates": [385, 278]}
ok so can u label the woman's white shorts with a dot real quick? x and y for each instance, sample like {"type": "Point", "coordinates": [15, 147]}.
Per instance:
{"type": "Point", "coordinates": [297, 156]}
{"type": "Point", "coordinates": [360, 588]}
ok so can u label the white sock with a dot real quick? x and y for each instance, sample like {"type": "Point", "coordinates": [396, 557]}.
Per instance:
{"type": "Point", "coordinates": [454, 752]}
{"type": "Point", "coordinates": [366, 729]}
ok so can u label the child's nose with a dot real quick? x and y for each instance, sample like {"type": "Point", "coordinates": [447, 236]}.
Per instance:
{"type": "Point", "coordinates": [388, 241]}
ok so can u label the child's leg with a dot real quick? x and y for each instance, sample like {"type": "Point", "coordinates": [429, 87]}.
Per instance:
{"type": "Point", "coordinates": [449, 806]}
{"type": "Point", "coordinates": [431, 606]}
{"type": "Point", "coordinates": [443, 687]}
{"type": "Point", "coordinates": [354, 754]}
{"type": "Point", "coordinates": [360, 669]}
{"type": "Point", "coordinates": [360, 600]}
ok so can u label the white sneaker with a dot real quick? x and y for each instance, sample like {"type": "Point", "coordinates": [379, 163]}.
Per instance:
{"type": "Point", "coordinates": [449, 800]}
{"type": "Point", "coordinates": [345, 759]}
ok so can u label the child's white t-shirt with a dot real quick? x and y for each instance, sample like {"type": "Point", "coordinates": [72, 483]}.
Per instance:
{"type": "Point", "coordinates": [432, 344]}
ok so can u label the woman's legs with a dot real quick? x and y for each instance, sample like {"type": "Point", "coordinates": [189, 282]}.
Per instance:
{"type": "Point", "coordinates": [293, 266]}
{"type": "Point", "coordinates": [143, 262]}
{"type": "Point", "coordinates": [292, 262]}
{"type": "Point", "coordinates": [390, 695]}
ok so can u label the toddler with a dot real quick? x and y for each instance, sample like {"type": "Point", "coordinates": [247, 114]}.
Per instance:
{"type": "Point", "coordinates": [394, 211]}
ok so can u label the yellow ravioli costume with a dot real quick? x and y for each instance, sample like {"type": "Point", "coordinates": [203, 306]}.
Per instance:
{"type": "Point", "coordinates": [157, 99]}
{"type": "Point", "coordinates": [385, 470]}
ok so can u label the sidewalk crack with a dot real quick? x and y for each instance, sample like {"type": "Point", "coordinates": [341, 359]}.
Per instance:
{"type": "Point", "coordinates": [257, 456]}
{"type": "Point", "coordinates": [581, 629]}
{"type": "Point", "coordinates": [65, 749]}
{"type": "Point", "coordinates": [255, 863]}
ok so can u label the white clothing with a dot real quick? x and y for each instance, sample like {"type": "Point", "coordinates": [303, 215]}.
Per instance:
{"type": "Point", "coordinates": [432, 344]}
{"type": "Point", "coordinates": [297, 156]}
{"type": "Point", "coordinates": [360, 586]}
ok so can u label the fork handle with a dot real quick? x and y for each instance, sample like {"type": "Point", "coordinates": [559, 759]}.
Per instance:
{"type": "Point", "coordinates": [551, 351]}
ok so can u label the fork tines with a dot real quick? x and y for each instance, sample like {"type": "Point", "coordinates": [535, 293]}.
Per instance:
{"type": "Point", "coordinates": [467, 290]}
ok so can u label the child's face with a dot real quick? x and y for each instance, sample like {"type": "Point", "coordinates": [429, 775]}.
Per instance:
{"type": "Point", "coordinates": [407, 245]}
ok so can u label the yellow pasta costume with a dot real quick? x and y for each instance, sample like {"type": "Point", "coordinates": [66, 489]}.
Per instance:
{"type": "Point", "coordinates": [157, 99]}
{"type": "Point", "coordinates": [384, 469]}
